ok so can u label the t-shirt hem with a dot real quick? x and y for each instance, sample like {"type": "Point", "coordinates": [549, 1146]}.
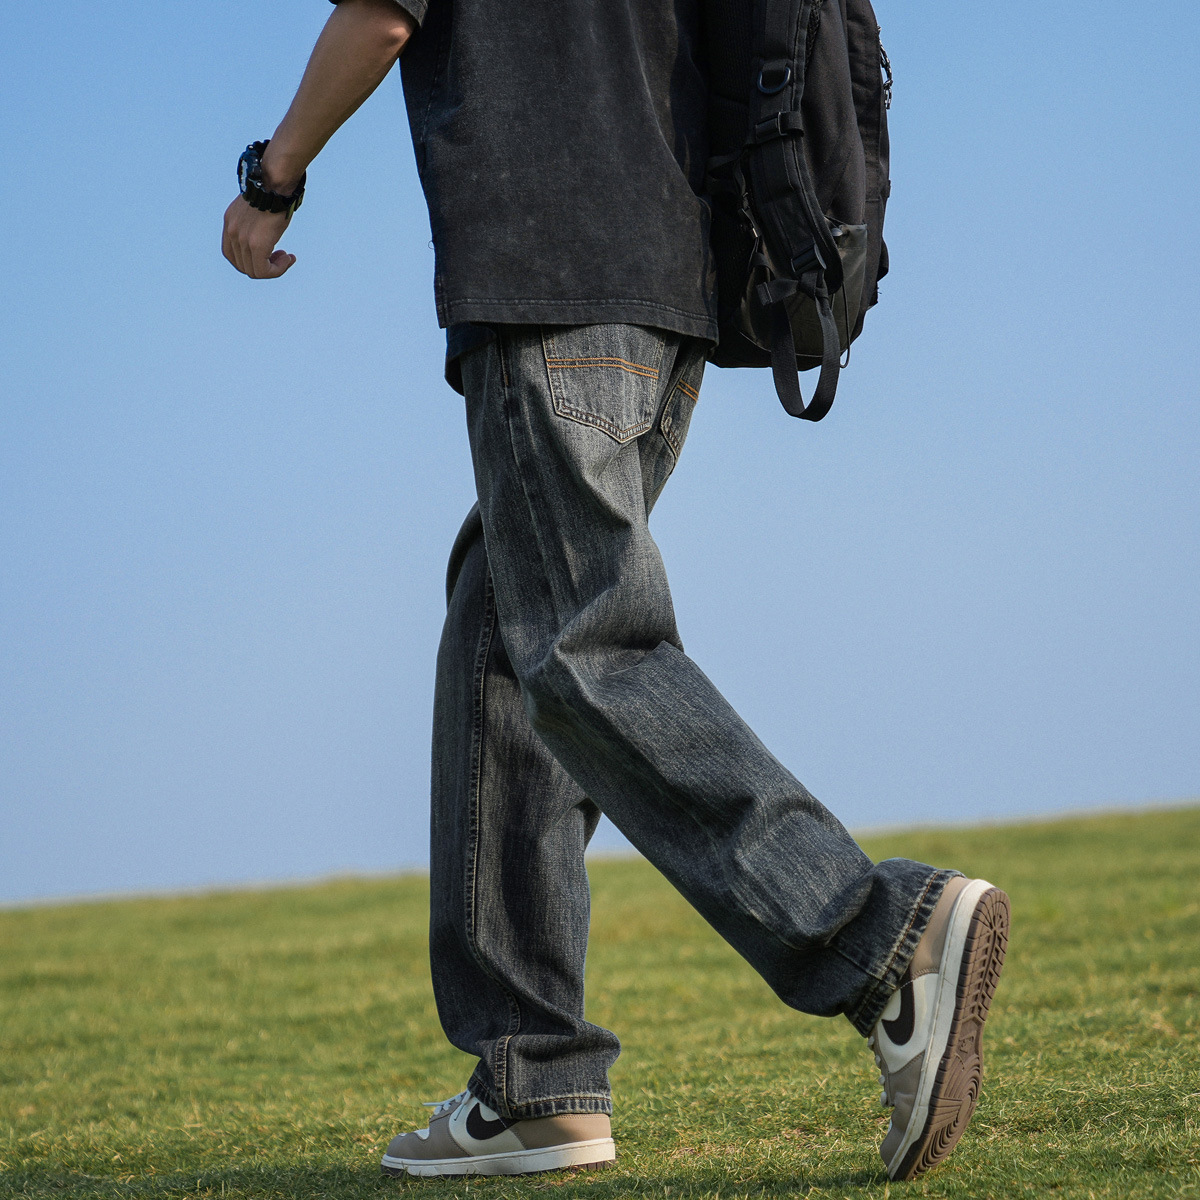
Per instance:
{"type": "Point", "coordinates": [579, 312]}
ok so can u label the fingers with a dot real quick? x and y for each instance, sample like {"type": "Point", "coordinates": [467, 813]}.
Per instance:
{"type": "Point", "coordinates": [262, 255]}
{"type": "Point", "coordinates": [278, 262]}
{"type": "Point", "coordinates": [249, 238]}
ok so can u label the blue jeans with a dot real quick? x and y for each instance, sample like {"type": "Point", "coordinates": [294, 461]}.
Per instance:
{"type": "Point", "coordinates": [563, 691]}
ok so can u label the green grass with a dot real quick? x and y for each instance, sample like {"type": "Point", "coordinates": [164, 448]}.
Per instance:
{"type": "Point", "coordinates": [268, 1044]}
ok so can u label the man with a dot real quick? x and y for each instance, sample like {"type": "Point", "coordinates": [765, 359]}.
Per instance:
{"type": "Point", "coordinates": [561, 146]}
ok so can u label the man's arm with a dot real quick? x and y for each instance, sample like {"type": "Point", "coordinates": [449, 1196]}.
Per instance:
{"type": "Point", "coordinates": [357, 48]}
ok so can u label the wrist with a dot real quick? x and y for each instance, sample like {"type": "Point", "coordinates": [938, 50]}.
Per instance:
{"type": "Point", "coordinates": [281, 172]}
{"type": "Point", "coordinates": [262, 193]}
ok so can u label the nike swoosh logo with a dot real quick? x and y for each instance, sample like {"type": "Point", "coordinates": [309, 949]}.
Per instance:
{"type": "Point", "coordinates": [901, 1029]}
{"type": "Point", "coordinates": [480, 1128]}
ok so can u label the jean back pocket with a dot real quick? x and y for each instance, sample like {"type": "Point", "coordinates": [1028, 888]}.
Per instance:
{"type": "Point", "coordinates": [605, 376]}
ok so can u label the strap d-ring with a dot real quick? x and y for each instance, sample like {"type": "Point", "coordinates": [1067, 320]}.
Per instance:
{"type": "Point", "coordinates": [771, 89]}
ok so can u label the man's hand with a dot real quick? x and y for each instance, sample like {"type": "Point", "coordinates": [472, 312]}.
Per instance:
{"type": "Point", "coordinates": [358, 46]}
{"type": "Point", "coordinates": [250, 238]}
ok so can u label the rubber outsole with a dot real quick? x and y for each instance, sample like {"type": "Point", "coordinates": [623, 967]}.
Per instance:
{"type": "Point", "coordinates": [956, 1089]}
{"type": "Point", "coordinates": [401, 1172]}
{"type": "Point", "coordinates": [574, 1156]}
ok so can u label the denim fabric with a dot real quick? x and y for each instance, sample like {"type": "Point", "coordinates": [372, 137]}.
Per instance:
{"type": "Point", "coordinates": [563, 691]}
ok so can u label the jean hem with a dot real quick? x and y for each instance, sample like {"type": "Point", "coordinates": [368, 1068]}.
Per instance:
{"type": "Point", "coordinates": [874, 1000]}
{"type": "Point", "coordinates": [573, 1103]}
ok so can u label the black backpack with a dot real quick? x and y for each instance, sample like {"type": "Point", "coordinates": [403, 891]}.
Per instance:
{"type": "Point", "coordinates": [799, 181]}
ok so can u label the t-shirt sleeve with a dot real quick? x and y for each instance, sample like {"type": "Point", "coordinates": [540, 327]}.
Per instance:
{"type": "Point", "coordinates": [415, 8]}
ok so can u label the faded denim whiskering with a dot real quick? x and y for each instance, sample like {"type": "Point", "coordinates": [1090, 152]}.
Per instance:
{"type": "Point", "coordinates": [563, 691]}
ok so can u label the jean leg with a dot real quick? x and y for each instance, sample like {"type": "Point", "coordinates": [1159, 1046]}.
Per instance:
{"type": "Point", "coordinates": [509, 893]}
{"type": "Point", "coordinates": [556, 419]}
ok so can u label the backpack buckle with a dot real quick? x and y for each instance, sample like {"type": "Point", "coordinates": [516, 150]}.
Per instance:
{"type": "Point", "coordinates": [809, 259]}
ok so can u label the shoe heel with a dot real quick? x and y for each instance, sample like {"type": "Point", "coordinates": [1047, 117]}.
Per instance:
{"type": "Point", "coordinates": [960, 1072]}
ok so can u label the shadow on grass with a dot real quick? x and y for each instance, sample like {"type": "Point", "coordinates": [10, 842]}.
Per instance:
{"type": "Point", "coordinates": [310, 1182]}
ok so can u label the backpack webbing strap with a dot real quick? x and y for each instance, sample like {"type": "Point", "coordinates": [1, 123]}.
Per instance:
{"type": "Point", "coordinates": [783, 353]}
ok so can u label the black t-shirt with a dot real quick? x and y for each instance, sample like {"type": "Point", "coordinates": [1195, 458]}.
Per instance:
{"type": "Point", "coordinates": [561, 145]}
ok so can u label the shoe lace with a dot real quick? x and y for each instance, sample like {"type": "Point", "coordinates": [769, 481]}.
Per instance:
{"type": "Point", "coordinates": [884, 1098]}
{"type": "Point", "coordinates": [440, 1106]}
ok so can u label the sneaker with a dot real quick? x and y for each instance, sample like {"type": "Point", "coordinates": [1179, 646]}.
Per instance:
{"type": "Point", "coordinates": [928, 1040]}
{"type": "Point", "coordinates": [465, 1137]}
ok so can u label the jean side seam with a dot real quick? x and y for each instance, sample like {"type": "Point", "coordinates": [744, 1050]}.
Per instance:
{"type": "Point", "coordinates": [472, 897]}
{"type": "Point", "coordinates": [675, 383]}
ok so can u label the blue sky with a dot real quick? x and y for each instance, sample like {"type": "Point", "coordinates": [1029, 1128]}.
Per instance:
{"type": "Point", "coordinates": [225, 506]}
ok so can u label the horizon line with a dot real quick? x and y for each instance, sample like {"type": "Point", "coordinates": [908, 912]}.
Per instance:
{"type": "Point", "coordinates": [187, 891]}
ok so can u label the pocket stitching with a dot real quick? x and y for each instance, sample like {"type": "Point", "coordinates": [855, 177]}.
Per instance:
{"type": "Point", "coordinates": [586, 418]}
{"type": "Point", "coordinates": [623, 364]}
{"type": "Point", "coordinates": [563, 408]}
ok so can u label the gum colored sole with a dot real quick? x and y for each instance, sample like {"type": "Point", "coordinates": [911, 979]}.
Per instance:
{"type": "Point", "coordinates": [956, 1089]}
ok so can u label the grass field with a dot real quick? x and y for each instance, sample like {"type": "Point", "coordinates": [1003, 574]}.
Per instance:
{"type": "Point", "coordinates": [268, 1044]}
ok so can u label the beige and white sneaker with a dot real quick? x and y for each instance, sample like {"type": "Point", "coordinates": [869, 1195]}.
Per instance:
{"type": "Point", "coordinates": [929, 1040]}
{"type": "Point", "coordinates": [465, 1137]}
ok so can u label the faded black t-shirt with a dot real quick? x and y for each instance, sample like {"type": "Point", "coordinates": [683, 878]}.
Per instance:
{"type": "Point", "coordinates": [561, 145]}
